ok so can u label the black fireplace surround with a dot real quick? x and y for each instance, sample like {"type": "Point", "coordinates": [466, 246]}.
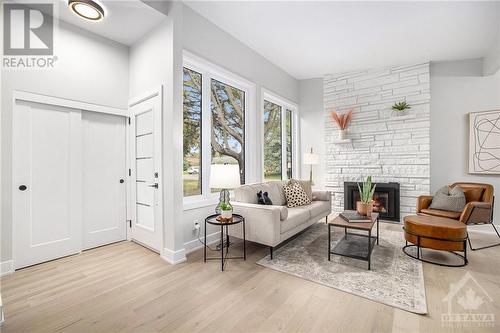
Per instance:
{"type": "Point", "coordinates": [386, 199]}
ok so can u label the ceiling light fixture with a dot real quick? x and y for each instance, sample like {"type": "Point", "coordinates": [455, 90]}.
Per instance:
{"type": "Point", "coordinates": [87, 9]}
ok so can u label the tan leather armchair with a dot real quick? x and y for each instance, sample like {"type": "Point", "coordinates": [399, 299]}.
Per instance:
{"type": "Point", "coordinates": [478, 210]}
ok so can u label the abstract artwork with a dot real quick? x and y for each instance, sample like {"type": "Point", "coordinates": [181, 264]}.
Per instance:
{"type": "Point", "coordinates": [484, 142]}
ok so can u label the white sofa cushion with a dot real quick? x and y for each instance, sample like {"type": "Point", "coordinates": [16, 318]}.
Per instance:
{"type": "Point", "coordinates": [296, 217]}
{"type": "Point", "coordinates": [318, 207]}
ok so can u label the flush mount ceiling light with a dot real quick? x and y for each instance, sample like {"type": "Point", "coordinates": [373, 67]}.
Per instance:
{"type": "Point", "coordinates": [87, 9]}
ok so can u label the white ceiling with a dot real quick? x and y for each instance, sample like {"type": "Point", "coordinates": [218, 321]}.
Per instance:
{"type": "Point", "coordinates": [126, 21]}
{"type": "Point", "coordinates": [311, 39]}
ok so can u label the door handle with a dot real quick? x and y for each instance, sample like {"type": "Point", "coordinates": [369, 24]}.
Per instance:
{"type": "Point", "coordinates": [154, 185]}
{"type": "Point", "coordinates": [22, 188]}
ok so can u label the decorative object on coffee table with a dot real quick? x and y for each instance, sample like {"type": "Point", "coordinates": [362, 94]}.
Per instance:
{"type": "Point", "coordinates": [366, 190]}
{"type": "Point", "coordinates": [349, 245]}
{"type": "Point", "coordinates": [353, 216]}
{"type": "Point", "coordinates": [224, 177]}
{"type": "Point", "coordinates": [224, 224]}
{"type": "Point", "coordinates": [311, 159]}
{"type": "Point", "coordinates": [342, 122]}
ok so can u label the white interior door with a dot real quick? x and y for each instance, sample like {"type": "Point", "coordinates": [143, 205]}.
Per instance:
{"type": "Point", "coordinates": [46, 189]}
{"type": "Point", "coordinates": [146, 160]}
{"type": "Point", "coordinates": [104, 174]}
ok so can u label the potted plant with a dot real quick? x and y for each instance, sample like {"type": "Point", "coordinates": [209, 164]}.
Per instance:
{"type": "Point", "coordinates": [365, 205]}
{"type": "Point", "coordinates": [226, 210]}
{"type": "Point", "coordinates": [400, 108]}
{"type": "Point", "coordinates": [342, 122]}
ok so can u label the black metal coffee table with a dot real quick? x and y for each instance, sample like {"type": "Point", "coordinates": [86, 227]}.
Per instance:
{"type": "Point", "coordinates": [343, 247]}
{"type": "Point", "coordinates": [212, 219]}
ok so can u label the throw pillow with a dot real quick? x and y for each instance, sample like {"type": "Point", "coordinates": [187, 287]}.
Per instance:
{"type": "Point", "coordinates": [453, 200]}
{"type": "Point", "coordinates": [306, 186]}
{"type": "Point", "coordinates": [263, 198]}
{"type": "Point", "coordinates": [295, 195]}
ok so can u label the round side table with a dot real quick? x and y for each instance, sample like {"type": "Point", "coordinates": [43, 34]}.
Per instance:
{"type": "Point", "coordinates": [224, 241]}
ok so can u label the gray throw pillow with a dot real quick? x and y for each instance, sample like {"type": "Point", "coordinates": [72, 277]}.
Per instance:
{"type": "Point", "coordinates": [453, 201]}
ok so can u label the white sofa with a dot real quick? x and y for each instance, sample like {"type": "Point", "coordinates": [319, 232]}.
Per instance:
{"type": "Point", "coordinates": [273, 224]}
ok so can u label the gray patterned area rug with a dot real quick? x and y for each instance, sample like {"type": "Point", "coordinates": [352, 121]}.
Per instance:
{"type": "Point", "coordinates": [394, 279]}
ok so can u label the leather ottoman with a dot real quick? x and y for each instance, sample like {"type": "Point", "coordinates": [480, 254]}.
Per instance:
{"type": "Point", "coordinates": [437, 233]}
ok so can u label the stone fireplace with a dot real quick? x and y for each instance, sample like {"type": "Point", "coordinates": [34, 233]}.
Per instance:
{"type": "Point", "coordinates": [386, 199]}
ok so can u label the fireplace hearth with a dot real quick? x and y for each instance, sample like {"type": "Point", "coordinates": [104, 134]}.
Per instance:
{"type": "Point", "coordinates": [386, 199]}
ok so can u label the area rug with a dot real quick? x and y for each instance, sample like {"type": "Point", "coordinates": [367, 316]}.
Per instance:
{"type": "Point", "coordinates": [394, 279]}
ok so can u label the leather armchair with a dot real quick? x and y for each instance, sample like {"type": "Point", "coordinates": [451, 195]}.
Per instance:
{"type": "Point", "coordinates": [478, 210]}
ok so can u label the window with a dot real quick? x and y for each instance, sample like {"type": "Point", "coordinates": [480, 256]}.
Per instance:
{"type": "Point", "coordinates": [192, 132]}
{"type": "Point", "coordinates": [228, 126]}
{"type": "Point", "coordinates": [279, 141]}
{"type": "Point", "coordinates": [215, 121]}
{"type": "Point", "coordinates": [272, 141]}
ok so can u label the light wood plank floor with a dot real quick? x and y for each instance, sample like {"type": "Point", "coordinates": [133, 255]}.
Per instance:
{"type": "Point", "coordinates": [124, 287]}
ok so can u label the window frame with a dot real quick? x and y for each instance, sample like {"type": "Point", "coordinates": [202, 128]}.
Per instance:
{"type": "Point", "coordinates": [285, 104]}
{"type": "Point", "coordinates": [210, 71]}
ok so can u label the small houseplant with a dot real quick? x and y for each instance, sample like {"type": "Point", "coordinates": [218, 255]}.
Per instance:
{"type": "Point", "coordinates": [342, 121]}
{"type": "Point", "coordinates": [400, 108]}
{"type": "Point", "coordinates": [226, 210]}
{"type": "Point", "coordinates": [366, 189]}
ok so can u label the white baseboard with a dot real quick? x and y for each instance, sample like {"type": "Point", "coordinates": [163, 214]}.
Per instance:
{"type": "Point", "coordinates": [6, 267]}
{"type": "Point", "coordinates": [195, 244]}
{"type": "Point", "coordinates": [174, 257]}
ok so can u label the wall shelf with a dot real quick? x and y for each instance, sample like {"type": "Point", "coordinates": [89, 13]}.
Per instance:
{"type": "Point", "coordinates": [408, 116]}
{"type": "Point", "coordinates": [341, 140]}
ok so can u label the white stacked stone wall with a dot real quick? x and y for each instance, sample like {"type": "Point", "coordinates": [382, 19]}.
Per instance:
{"type": "Point", "coordinates": [383, 146]}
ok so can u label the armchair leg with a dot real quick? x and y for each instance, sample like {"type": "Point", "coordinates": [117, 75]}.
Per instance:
{"type": "Point", "coordinates": [485, 247]}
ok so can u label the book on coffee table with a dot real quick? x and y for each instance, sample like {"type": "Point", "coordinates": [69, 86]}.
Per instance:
{"type": "Point", "coordinates": [353, 217]}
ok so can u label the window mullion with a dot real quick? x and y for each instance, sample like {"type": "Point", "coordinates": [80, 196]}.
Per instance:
{"type": "Point", "coordinates": [283, 143]}
{"type": "Point", "coordinates": [206, 146]}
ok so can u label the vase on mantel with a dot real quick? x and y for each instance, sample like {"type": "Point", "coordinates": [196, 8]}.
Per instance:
{"type": "Point", "coordinates": [342, 134]}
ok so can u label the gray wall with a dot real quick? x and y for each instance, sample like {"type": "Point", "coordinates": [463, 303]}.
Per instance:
{"type": "Point", "coordinates": [453, 97]}
{"type": "Point", "coordinates": [312, 131]}
{"type": "Point", "coordinates": [157, 60]}
{"type": "Point", "coordinates": [89, 68]}
{"type": "Point", "coordinates": [206, 40]}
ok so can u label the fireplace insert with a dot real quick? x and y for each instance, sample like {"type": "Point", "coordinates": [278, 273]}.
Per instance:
{"type": "Point", "coordinates": [386, 199]}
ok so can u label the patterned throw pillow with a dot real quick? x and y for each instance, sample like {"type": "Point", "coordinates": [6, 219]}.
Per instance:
{"type": "Point", "coordinates": [295, 195]}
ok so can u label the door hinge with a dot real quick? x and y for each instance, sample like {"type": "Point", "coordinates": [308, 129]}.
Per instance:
{"type": "Point", "coordinates": [129, 120]}
{"type": "Point", "coordinates": [129, 172]}
{"type": "Point", "coordinates": [129, 223]}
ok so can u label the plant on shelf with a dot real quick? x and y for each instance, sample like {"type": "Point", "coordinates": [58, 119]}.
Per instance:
{"type": "Point", "coordinates": [342, 121]}
{"type": "Point", "coordinates": [400, 108]}
{"type": "Point", "coordinates": [366, 189]}
{"type": "Point", "coordinates": [226, 210]}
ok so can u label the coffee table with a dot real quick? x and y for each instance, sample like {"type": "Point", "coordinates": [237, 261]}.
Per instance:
{"type": "Point", "coordinates": [348, 246]}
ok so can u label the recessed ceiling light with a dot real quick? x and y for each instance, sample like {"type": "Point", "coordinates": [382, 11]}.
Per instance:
{"type": "Point", "coordinates": [87, 9]}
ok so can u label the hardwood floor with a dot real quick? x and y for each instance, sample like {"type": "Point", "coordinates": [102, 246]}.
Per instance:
{"type": "Point", "coordinates": [124, 287]}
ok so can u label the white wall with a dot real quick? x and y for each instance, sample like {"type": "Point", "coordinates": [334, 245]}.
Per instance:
{"type": "Point", "coordinates": [453, 97]}
{"type": "Point", "coordinates": [312, 131]}
{"type": "Point", "coordinates": [89, 68]}
{"type": "Point", "coordinates": [206, 40]}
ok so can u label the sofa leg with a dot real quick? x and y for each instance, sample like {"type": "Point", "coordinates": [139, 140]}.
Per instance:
{"type": "Point", "coordinates": [327, 219]}
{"type": "Point", "coordinates": [484, 247]}
{"type": "Point", "coordinates": [271, 251]}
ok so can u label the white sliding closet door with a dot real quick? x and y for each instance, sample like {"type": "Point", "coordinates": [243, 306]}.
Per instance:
{"type": "Point", "coordinates": [104, 174]}
{"type": "Point", "coordinates": [47, 188]}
